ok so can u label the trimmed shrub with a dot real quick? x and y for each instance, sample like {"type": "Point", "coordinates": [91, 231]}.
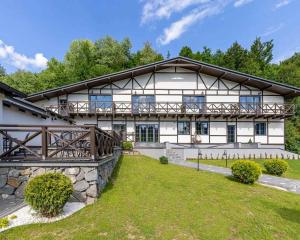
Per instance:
{"type": "Point", "coordinates": [275, 166]}
{"type": "Point", "coordinates": [4, 222]}
{"type": "Point", "coordinates": [127, 145]}
{"type": "Point", "coordinates": [246, 171]}
{"type": "Point", "coordinates": [48, 193]}
{"type": "Point", "coordinates": [164, 160]}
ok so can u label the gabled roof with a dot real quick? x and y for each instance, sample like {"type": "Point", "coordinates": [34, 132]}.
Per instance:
{"type": "Point", "coordinates": [30, 107]}
{"type": "Point", "coordinates": [205, 68]}
{"type": "Point", "coordinates": [11, 91]}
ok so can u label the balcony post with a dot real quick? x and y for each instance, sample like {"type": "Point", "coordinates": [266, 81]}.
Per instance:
{"type": "Point", "coordinates": [93, 142]}
{"type": "Point", "coordinates": [44, 143]}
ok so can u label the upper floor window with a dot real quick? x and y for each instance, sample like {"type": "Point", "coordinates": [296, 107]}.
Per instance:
{"type": "Point", "coordinates": [193, 103]}
{"type": "Point", "coordinates": [143, 103]}
{"type": "Point", "coordinates": [101, 101]}
{"type": "Point", "coordinates": [194, 99]}
{"type": "Point", "coordinates": [250, 102]}
{"type": "Point", "coordinates": [202, 128]}
{"type": "Point", "coordinates": [184, 128]}
{"type": "Point", "coordinates": [260, 129]}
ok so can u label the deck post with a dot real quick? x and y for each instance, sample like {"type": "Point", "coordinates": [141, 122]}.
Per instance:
{"type": "Point", "coordinates": [44, 143]}
{"type": "Point", "coordinates": [93, 142]}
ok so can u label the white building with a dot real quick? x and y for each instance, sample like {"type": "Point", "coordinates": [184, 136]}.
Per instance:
{"type": "Point", "coordinates": [178, 101]}
{"type": "Point", "coordinates": [14, 110]}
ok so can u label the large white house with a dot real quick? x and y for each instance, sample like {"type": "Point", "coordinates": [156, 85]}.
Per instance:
{"type": "Point", "coordinates": [179, 101]}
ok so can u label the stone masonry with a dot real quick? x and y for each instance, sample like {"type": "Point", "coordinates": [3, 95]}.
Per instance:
{"type": "Point", "coordinates": [88, 182]}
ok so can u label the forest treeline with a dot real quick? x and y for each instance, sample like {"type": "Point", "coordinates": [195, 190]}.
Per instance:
{"type": "Point", "coordinates": [87, 59]}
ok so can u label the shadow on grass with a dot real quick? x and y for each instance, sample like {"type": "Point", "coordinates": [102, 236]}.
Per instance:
{"type": "Point", "coordinates": [289, 214]}
{"type": "Point", "coordinates": [109, 186]}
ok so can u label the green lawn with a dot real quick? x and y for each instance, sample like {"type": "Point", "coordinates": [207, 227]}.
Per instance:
{"type": "Point", "coordinates": [292, 172]}
{"type": "Point", "coordinates": [148, 200]}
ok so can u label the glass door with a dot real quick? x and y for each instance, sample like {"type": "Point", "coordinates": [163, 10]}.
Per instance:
{"type": "Point", "coordinates": [231, 134]}
{"type": "Point", "coordinates": [146, 133]}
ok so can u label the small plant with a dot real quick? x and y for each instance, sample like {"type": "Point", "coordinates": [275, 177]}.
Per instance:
{"type": "Point", "coordinates": [276, 167]}
{"type": "Point", "coordinates": [48, 193]}
{"type": "Point", "coordinates": [12, 217]}
{"type": "Point", "coordinates": [250, 141]}
{"type": "Point", "coordinates": [4, 222]}
{"type": "Point", "coordinates": [127, 145]}
{"type": "Point", "coordinates": [246, 171]}
{"type": "Point", "coordinates": [163, 160]}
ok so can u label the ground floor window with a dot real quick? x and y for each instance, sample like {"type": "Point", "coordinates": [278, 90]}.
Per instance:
{"type": "Point", "coordinates": [184, 128]}
{"type": "Point", "coordinates": [202, 128]}
{"type": "Point", "coordinates": [146, 133]}
{"type": "Point", "coordinates": [260, 129]}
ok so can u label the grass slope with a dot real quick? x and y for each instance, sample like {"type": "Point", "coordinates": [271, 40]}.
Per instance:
{"type": "Point", "coordinates": [148, 200]}
{"type": "Point", "coordinates": [292, 172]}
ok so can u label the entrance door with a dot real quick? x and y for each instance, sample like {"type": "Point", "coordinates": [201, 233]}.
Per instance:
{"type": "Point", "coordinates": [146, 133]}
{"type": "Point", "coordinates": [231, 134]}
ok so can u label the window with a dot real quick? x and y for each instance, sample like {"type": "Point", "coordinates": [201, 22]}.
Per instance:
{"type": "Point", "coordinates": [202, 128]}
{"type": "Point", "coordinates": [194, 100]}
{"type": "Point", "coordinates": [260, 129]}
{"type": "Point", "coordinates": [183, 128]}
{"type": "Point", "coordinates": [250, 102]}
{"type": "Point", "coordinates": [101, 101]}
{"type": "Point", "coordinates": [143, 103]}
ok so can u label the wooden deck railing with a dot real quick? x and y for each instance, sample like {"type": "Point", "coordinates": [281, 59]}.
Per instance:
{"type": "Point", "coordinates": [60, 143]}
{"type": "Point", "coordinates": [207, 108]}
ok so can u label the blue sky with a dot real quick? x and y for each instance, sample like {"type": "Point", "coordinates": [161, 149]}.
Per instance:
{"type": "Point", "coordinates": [31, 32]}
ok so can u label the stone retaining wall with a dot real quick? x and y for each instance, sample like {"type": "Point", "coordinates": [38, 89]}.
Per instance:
{"type": "Point", "coordinates": [88, 182]}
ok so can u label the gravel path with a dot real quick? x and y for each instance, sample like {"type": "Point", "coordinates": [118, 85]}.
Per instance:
{"type": "Point", "coordinates": [26, 215]}
{"type": "Point", "coordinates": [286, 184]}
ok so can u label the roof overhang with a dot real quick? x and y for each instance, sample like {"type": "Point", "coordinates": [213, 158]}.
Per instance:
{"type": "Point", "coordinates": [30, 107]}
{"type": "Point", "coordinates": [11, 91]}
{"type": "Point", "coordinates": [201, 67]}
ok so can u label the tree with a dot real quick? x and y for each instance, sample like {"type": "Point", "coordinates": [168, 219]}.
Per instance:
{"type": "Point", "coordinates": [146, 55]}
{"type": "Point", "coordinates": [24, 81]}
{"type": "Point", "coordinates": [79, 60]}
{"type": "Point", "coordinates": [55, 75]}
{"type": "Point", "coordinates": [236, 57]}
{"type": "Point", "coordinates": [186, 52]}
{"type": "Point", "coordinates": [262, 53]}
{"type": "Point", "coordinates": [112, 54]}
{"type": "Point", "coordinates": [2, 71]}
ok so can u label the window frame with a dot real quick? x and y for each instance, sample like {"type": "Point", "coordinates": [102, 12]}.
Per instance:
{"type": "Point", "coordinates": [253, 103]}
{"type": "Point", "coordinates": [201, 128]}
{"type": "Point", "coordinates": [107, 104]}
{"type": "Point", "coordinates": [258, 131]}
{"type": "Point", "coordinates": [184, 133]}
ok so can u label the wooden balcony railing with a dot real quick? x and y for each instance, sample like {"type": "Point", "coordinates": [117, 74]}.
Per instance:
{"type": "Point", "coordinates": [59, 143]}
{"type": "Point", "coordinates": [166, 108]}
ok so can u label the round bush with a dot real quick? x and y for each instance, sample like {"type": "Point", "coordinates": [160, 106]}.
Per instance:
{"type": "Point", "coordinates": [48, 193]}
{"type": "Point", "coordinates": [246, 171]}
{"type": "Point", "coordinates": [163, 160]}
{"type": "Point", "coordinates": [127, 145]}
{"type": "Point", "coordinates": [276, 167]}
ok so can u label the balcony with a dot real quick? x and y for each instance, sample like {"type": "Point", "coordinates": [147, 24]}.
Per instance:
{"type": "Point", "coordinates": [207, 109]}
{"type": "Point", "coordinates": [56, 143]}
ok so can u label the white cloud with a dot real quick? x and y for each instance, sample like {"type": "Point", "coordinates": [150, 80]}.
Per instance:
{"type": "Point", "coordinates": [272, 30]}
{"type": "Point", "coordinates": [158, 9]}
{"type": "Point", "coordinates": [239, 3]}
{"type": "Point", "coordinates": [176, 29]}
{"type": "Point", "coordinates": [20, 61]}
{"type": "Point", "coordinates": [282, 3]}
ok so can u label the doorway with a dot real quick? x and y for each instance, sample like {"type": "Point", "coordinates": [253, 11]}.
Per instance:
{"type": "Point", "coordinates": [146, 133]}
{"type": "Point", "coordinates": [231, 134]}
